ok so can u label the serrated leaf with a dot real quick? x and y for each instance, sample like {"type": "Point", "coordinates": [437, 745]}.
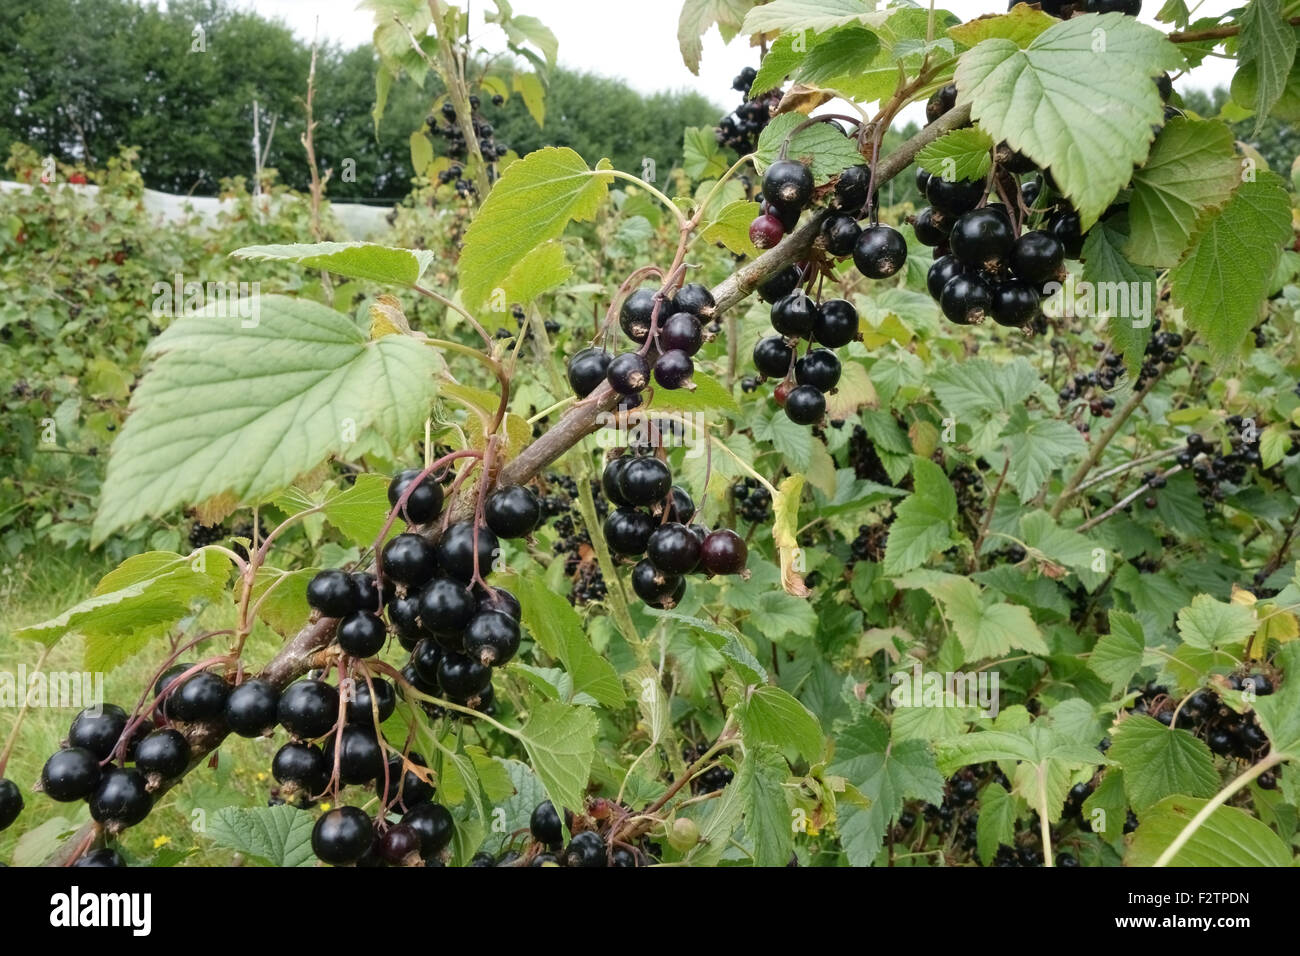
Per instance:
{"type": "Point", "coordinates": [1279, 712]}
{"type": "Point", "coordinates": [761, 782]}
{"type": "Point", "coordinates": [1021, 26]}
{"type": "Point", "coordinates": [1095, 69]}
{"type": "Point", "coordinates": [1038, 448]}
{"type": "Point", "coordinates": [1105, 264]}
{"type": "Point", "coordinates": [1192, 167]}
{"type": "Point", "coordinates": [924, 520]}
{"type": "Point", "coordinates": [707, 396]}
{"type": "Point", "coordinates": [696, 18]}
{"type": "Point", "coordinates": [702, 157]}
{"type": "Point", "coordinates": [997, 820]}
{"type": "Point", "coordinates": [1222, 281]}
{"type": "Point", "coordinates": [1117, 656]}
{"type": "Point", "coordinates": [538, 272]}
{"type": "Point", "coordinates": [226, 412]}
{"type": "Point", "coordinates": [360, 511]}
{"type": "Point", "coordinates": [731, 227]}
{"type": "Point", "coordinates": [961, 154]}
{"type": "Point", "coordinates": [815, 15]}
{"type": "Point", "coordinates": [821, 146]}
{"type": "Point", "coordinates": [558, 629]}
{"type": "Point", "coordinates": [561, 742]}
{"type": "Point", "coordinates": [285, 608]}
{"type": "Point", "coordinates": [1229, 837]}
{"type": "Point", "coordinates": [778, 63]}
{"type": "Point", "coordinates": [278, 836]}
{"type": "Point", "coordinates": [532, 202]}
{"type": "Point", "coordinates": [1209, 624]}
{"type": "Point", "coordinates": [1268, 43]}
{"type": "Point", "coordinates": [356, 260]}
{"type": "Point", "coordinates": [1160, 761]}
{"type": "Point", "coordinates": [771, 716]}
{"type": "Point", "coordinates": [844, 52]}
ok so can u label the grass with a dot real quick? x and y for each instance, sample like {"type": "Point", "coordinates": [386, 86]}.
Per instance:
{"type": "Point", "coordinates": [44, 584]}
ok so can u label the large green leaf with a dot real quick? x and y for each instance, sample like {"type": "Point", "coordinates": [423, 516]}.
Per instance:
{"type": "Point", "coordinates": [533, 201]}
{"type": "Point", "coordinates": [233, 414]}
{"type": "Point", "coordinates": [924, 521]}
{"type": "Point", "coordinates": [278, 836]}
{"type": "Point", "coordinates": [771, 716]}
{"type": "Point", "coordinates": [1106, 264]}
{"type": "Point", "coordinates": [815, 15]}
{"type": "Point", "coordinates": [822, 146]}
{"type": "Point", "coordinates": [1207, 623]}
{"type": "Point", "coordinates": [761, 782]}
{"type": "Point", "coordinates": [1268, 45]}
{"type": "Point", "coordinates": [1079, 99]}
{"type": "Point", "coordinates": [1230, 837]}
{"type": "Point", "coordinates": [1038, 448]}
{"type": "Point", "coordinates": [1117, 656]}
{"type": "Point", "coordinates": [1228, 270]}
{"type": "Point", "coordinates": [561, 742]}
{"type": "Point", "coordinates": [1160, 761]}
{"type": "Point", "coordinates": [558, 630]}
{"type": "Point", "coordinates": [356, 260]}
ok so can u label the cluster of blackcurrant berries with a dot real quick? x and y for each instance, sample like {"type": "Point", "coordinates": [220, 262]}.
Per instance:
{"type": "Point", "coordinates": [653, 517]}
{"type": "Point", "coordinates": [1226, 732]}
{"type": "Point", "coordinates": [968, 484]}
{"type": "Point", "coordinates": [869, 543]}
{"type": "Point", "coordinates": [804, 381]}
{"type": "Point", "coordinates": [1212, 467]}
{"type": "Point", "coordinates": [1061, 8]}
{"type": "Point", "coordinates": [1163, 349]}
{"type": "Point", "coordinates": [1092, 386]}
{"type": "Point", "coordinates": [450, 130]}
{"type": "Point", "coordinates": [713, 779]}
{"type": "Point", "coordinates": [863, 458]}
{"type": "Point", "coordinates": [740, 129]}
{"type": "Point", "coordinates": [753, 501]}
{"type": "Point", "coordinates": [674, 325]}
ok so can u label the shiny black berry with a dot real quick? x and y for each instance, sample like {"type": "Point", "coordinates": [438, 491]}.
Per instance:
{"type": "Point", "coordinates": [851, 187]}
{"type": "Point", "coordinates": [634, 317]}
{"type": "Point", "coordinates": [404, 615]}
{"type": "Point", "coordinates": [409, 559]}
{"type": "Point", "coordinates": [840, 232]}
{"type": "Point", "coordinates": [673, 369]}
{"type": "Point", "coordinates": [943, 269]}
{"type": "Point", "coordinates": [201, 697]}
{"type": "Point", "coordinates": [954, 197]}
{"type": "Point", "coordinates": [427, 658]}
{"type": "Point", "coordinates": [463, 677]}
{"type": "Point", "coordinates": [333, 593]}
{"type": "Point", "coordinates": [628, 373]}
{"type": "Point", "coordinates": [1014, 304]}
{"type": "Point", "coordinates": [805, 405]}
{"type": "Point", "coordinates": [586, 849]}
{"type": "Point", "coordinates": [360, 754]}
{"type": "Point", "coordinates": [794, 315]}
{"type": "Point", "coordinates": [609, 479]}
{"type": "Point", "coordinates": [881, 251]}
{"type": "Point", "coordinates": [425, 500]}
{"type": "Point", "coordinates": [966, 299]}
{"type": "Point", "coordinates": [627, 530]}
{"type": "Point", "coordinates": [446, 606]}
{"type": "Point", "coordinates": [98, 730]}
{"type": "Point", "coordinates": [121, 799]}
{"type": "Point", "coordinates": [545, 825]}
{"type": "Point", "coordinates": [655, 587]}
{"type": "Point", "coordinates": [931, 228]}
{"type": "Point", "coordinates": [695, 299]}
{"type": "Point", "coordinates": [779, 285]}
{"type": "Point", "coordinates": [941, 101]}
{"type": "Point", "coordinates": [434, 825]}
{"type": "Point", "coordinates": [302, 766]}
{"type": "Point", "coordinates": [251, 708]}
{"type": "Point", "coordinates": [787, 184]}
{"type": "Point", "coordinates": [492, 638]}
{"type": "Point", "coordinates": [309, 708]}
{"type": "Point", "coordinates": [498, 599]}
{"type": "Point", "coordinates": [456, 550]}
{"type": "Point", "coordinates": [681, 332]}
{"type": "Point", "coordinates": [818, 368]}
{"type": "Point", "coordinates": [513, 511]}
{"type": "Point", "coordinates": [361, 708]}
{"type": "Point", "coordinates": [342, 836]}
{"type": "Point", "coordinates": [673, 548]}
{"type": "Point", "coordinates": [362, 634]}
{"type": "Point", "coordinates": [681, 506]}
{"type": "Point", "coordinates": [165, 753]}
{"type": "Point", "coordinates": [587, 369]}
{"type": "Point", "coordinates": [723, 552]}
{"type": "Point", "coordinates": [835, 325]}
{"type": "Point", "coordinates": [11, 803]}
{"type": "Point", "coordinates": [70, 774]}
{"type": "Point", "coordinates": [645, 480]}
{"type": "Point", "coordinates": [1037, 257]}
{"type": "Point", "coordinates": [772, 356]}
{"type": "Point", "coordinates": [982, 238]}
{"type": "Point", "coordinates": [1065, 226]}
{"type": "Point", "coordinates": [369, 596]}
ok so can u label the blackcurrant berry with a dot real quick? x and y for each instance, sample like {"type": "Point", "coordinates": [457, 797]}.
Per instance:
{"type": "Point", "coordinates": [681, 507]}
{"type": "Point", "coordinates": [766, 231]}
{"type": "Point", "coordinates": [681, 332]}
{"type": "Point", "coordinates": [201, 697]}
{"type": "Point", "coordinates": [851, 187]}
{"type": "Point", "coordinates": [400, 845]}
{"type": "Point", "coordinates": [943, 269]}
{"type": "Point", "coordinates": [623, 857]}
{"type": "Point", "coordinates": [165, 753]}
{"type": "Point", "coordinates": [409, 559]}
{"type": "Point", "coordinates": [941, 101]}
{"type": "Point", "coordinates": [463, 677]}
{"type": "Point", "coordinates": [121, 800]}
{"type": "Point", "coordinates": [301, 766]}
{"type": "Point", "coordinates": [930, 227]}
{"type": "Point", "coordinates": [70, 774]}
{"type": "Point", "coordinates": [805, 405]}
{"type": "Point", "coordinates": [1014, 304]}
{"type": "Point", "coordinates": [545, 825]}
{"type": "Point", "coordinates": [695, 299]}
{"type": "Point", "coordinates": [795, 315]}
{"type": "Point", "coordinates": [425, 500]}
{"type": "Point", "coordinates": [362, 634]}
{"type": "Point", "coordinates": [772, 356]}
{"type": "Point", "coordinates": [333, 593]}
{"type": "Point", "coordinates": [98, 730]}
{"type": "Point", "coordinates": [655, 587]}
{"type": "Point", "coordinates": [966, 299]}
{"type": "Point", "coordinates": [427, 658]}
{"type": "Point", "coordinates": [787, 184]}
{"type": "Point", "coordinates": [11, 803]}
{"type": "Point", "coordinates": [629, 373]}
{"type": "Point", "coordinates": [492, 637]}
{"type": "Point", "coordinates": [674, 369]}
{"type": "Point", "coordinates": [1037, 257]}
{"type": "Point", "coordinates": [881, 251]}
{"type": "Point", "coordinates": [673, 548]}
{"type": "Point", "coordinates": [369, 596]}
{"type": "Point", "coordinates": [446, 606]}
{"type": "Point", "coordinates": [434, 825]}
{"type": "Point", "coordinates": [587, 369]}
{"type": "Point", "coordinates": [309, 708]}
{"type": "Point", "coordinates": [645, 480]}
{"type": "Point", "coordinates": [404, 615]}
{"type": "Point", "coordinates": [360, 754]}
{"type": "Point", "coordinates": [922, 179]}
{"type": "Point", "coordinates": [840, 232]}
{"type": "Point", "coordinates": [1128, 7]}
{"type": "Point", "coordinates": [499, 599]}
{"type": "Point", "coordinates": [982, 238]}
{"type": "Point", "coordinates": [1064, 226]}
{"type": "Point", "coordinates": [102, 857]}
{"type": "Point", "coordinates": [627, 531]}
{"type": "Point", "coordinates": [361, 707]}
{"type": "Point", "coordinates": [779, 285]}
{"type": "Point", "coordinates": [413, 788]}
{"type": "Point", "coordinates": [723, 552]}
{"type": "Point", "coordinates": [586, 849]}
{"type": "Point", "coordinates": [835, 325]}
{"type": "Point", "coordinates": [609, 479]}
{"type": "Point", "coordinates": [956, 196]}
{"type": "Point", "coordinates": [818, 368]}
{"type": "Point", "coordinates": [456, 550]}
{"type": "Point", "coordinates": [634, 317]}
{"type": "Point", "coordinates": [342, 836]}
{"type": "Point", "coordinates": [513, 511]}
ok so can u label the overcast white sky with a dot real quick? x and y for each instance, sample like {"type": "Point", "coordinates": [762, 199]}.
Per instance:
{"type": "Point", "coordinates": [636, 40]}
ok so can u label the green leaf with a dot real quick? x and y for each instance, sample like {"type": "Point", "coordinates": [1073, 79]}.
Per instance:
{"type": "Point", "coordinates": [356, 260]}
{"type": "Point", "coordinates": [780, 62]}
{"type": "Point", "coordinates": [531, 203]}
{"type": "Point", "coordinates": [528, 793]}
{"type": "Point", "coordinates": [1268, 43]}
{"type": "Point", "coordinates": [541, 270]}
{"type": "Point", "coordinates": [1084, 109]}
{"type": "Point", "coordinates": [533, 93]}
{"type": "Point", "coordinates": [1159, 761]}
{"type": "Point", "coordinates": [996, 824]}
{"type": "Point", "coordinates": [138, 600]}
{"type": "Point", "coordinates": [1117, 656]}
{"type": "Point", "coordinates": [1279, 713]}
{"type": "Point", "coordinates": [1223, 279]}
{"type": "Point", "coordinates": [1106, 265]}
{"type": "Point", "coordinates": [977, 388]}
{"type": "Point", "coordinates": [278, 836]}
{"type": "Point", "coordinates": [820, 146]}
{"type": "Point", "coordinates": [702, 157]}
{"type": "Point", "coordinates": [360, 511]}
{"type": "Point", "coordinates": [924, 520]}
{"type": "Point", "coordinates": [725, 639]}
{"type": "Point", "coordinates": [886, 773]}
{"type": "Point", "coordinates": [761, 782]}
{"type": "Point", "coordinates": [845, 52]}
{"type": "Point", "coordinates": [1193, 166]}
{"type": "Point", "coordinates": [696, 18]}
{"type": "Point", "coordinates": [961, 154]}
{"type": "Point", "coordinates": [558, 630]}
{"type": "Point", "coordinates": [421, 153]}
{"type": "Point", "coordinates": [1229, 837]}
{"type": "Point", "coordinates": [988, 630]}
{"type": "Point", "coordinates": [771, 716]}
{"type": "Point", "coordinates": [731, 227]}
{"type": "Point", "coordinates": [815, 15]}
{"type": "Point", "coordinates": [1209, 624]}
{"type": "Point", "coordinates": [1038, 448]}
{"type": "Point", "coordinates": [1021, 26]}
{"type": "Point", "coordinates": [707, 396]}
{"type": "Point", "coordinates": [1051, 542]}
{"type": "Point", "coordinates": [561, 742]}
{"type": "Point", "coordinates": [285, 608]}
{"type": "Point", "coordinates": [236, 414]}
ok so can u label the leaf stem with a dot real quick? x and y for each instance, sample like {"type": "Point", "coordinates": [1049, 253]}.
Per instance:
{"type": "Point", "coordinates": [1219, 799]}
